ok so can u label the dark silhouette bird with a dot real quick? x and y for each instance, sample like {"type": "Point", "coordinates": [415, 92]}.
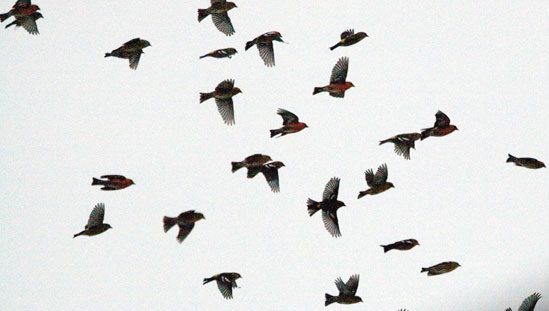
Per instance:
{"type": "Point", "coordinates": [403, 143]}
{"type": "Point", "coordinates": [27, 22]}
{"type": "Point", "coordinates": [218, 10]}
{"type": "Point", "coordinates": [225, 283]}
{"type": "Point", "coordinates": [349, 37]}
{"type": "Point", "coordinates": [378, 182]}
{"type": "Point", "coordinates": [347, 292]}
{"type": "Point", "coordinates": [526, 162]}
{"type": "Point", "coordinates": [329, 206]}
{"type": "Point", "coordinates": [403, 245]}
{"type": "Point", "coordinates": [113, 182]}
{"type": "Point", "coordinates": [130, 50]}
{"type": "Point", "coordinates": [338, 85]}
{"type": "Point", "coordinates": [223, 95]}
{"type": "Point", "coordinates": [441, 268]}
{"type": "Point", "coordinates": [270, 171]}
{"type": "Point", "coordinates": [265, 46]}
{"type": "Point", "coordinates": [290, 124]}
{"type": "Point", "coordinates": [252, 163]}
{"type": "Point", "coordinates": [185, 221]}
{"type": "Point", "coordinates": [21, 8]}
{"type": "Point", "coordinates": [528, 304]}
{"type": "Point", "coordinates": [221, 53]}
{"type": "Point", "coordinates": [442, 127]}
{"type": "Point", "coordinates": [95, 224]}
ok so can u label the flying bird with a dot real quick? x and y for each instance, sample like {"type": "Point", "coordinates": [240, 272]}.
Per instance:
{"type": "Point", "coordinates": [378, 182]}
{"type": "Point", "coordinates": [347, 292]}
{"type": "Point", "coordinates": [218, 10]}
{"type": "Point", "coordinates": [290, 124]}
{"type": "Point", "coordinates": [113, 182]}
{"type": "Point", "coordinates": [95, 224]}
{"type": "Point", "coordinates": [442, 127]}
{"type": "Point", "coordinates": [338, 85]}
{"type": "Point", "coordinates": [403, 245]}
{"type": "Point", "coordinates": [252, 163]}
{"type": "Point", "coordinates": [441, 268]}
{"type": "Point", "coordinates": [21, 8]}
{"type": "Point", "coordinates": [225, 283]}
{"type": "Point", "coordinates": [221, 53]}
{"type": "Point", "coordinates": [528, 304]}
{"type": "Point", "coordinates": [223, 95]}
{"type": "Point", "coordinates": [329, 206]}
{"type": "Point", "coordinates": [349, 37]}
{"type": "Point", "coordinates": [526, 162]}
{"type": "Point", "coordinates": [403, 143]}
{"type": "Point", "coordinates": [265, 46]}
{"type": "Point", "coordinates": [27, 22]}
{"type": "Point", "coordinates": [185, 221]}
{"type": "Point", "coordinates": [130, 50]}
{"type": "Point", "coordinates": [270, 171]}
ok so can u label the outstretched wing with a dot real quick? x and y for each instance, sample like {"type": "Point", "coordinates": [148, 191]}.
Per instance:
{"type": "Point", "coordinates": [271, 175]}
{"type": "Point", "coordinates": [134, 60]}
{"type": "Point", "coordinates": [287, 117]}
{"type": "Point", "coordinates": [403, 148]}
{"type": "Point", "coordinates": [352, 284]}
{"type": "Point", "coordinates": [226, 110]}
{"type": "Point", "coordinates": [530, 303]}
{"type": "Point", "coordinates": [347, 33]}
{"type": "Point", "coordinates": [266, 51]}
{"type": "Point", "coordinates": [331, 190]}
{"type": "Point", "coordinates": [369, 175]}
{"type": "Point", "coordinates": [331, 223]}
{"type": "Point", "coordinates": [184, 231]}
{"type": "Point", "coordinates": [29, 24]}
{"type": "Point", "coordinates": [442, 120]}
{"type": "Point", "coordinates": [96, 216]}
{"type": "Point", "coordinates": [381, 175]}
{"type": "Point", "coordinates": [223, 23]}
{"type": "Point", "coordinates": [339, 72]}
{"type": "Point", "coordinates": [225, 287]}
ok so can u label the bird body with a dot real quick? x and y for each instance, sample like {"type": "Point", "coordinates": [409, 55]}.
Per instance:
{"type": "Point", "coordinates": [223, 95]}
{"type": "Point", "coordinates": [185, 221]}
{"type": "Point", "coordinates": [21, 8]}
{"type": "Point", "coordinates": [265, 46]}
{"type": "Point", "coordinates": [403, 245]}
{"type": "Point", "coordinates": [130, 50]}
{"type": "Point", "coordinates": [442, 127]}
{"type": "Point", "coordinates": [251, 162]}
{"type": "Point", "coordinates": [329, 206]}
{"type": "Point", "coordinates": [225, 283]}
{"type": "Point", "coordinates": [530, 163]}
{"type": "Point", "coordinates": [378, 182]}
{"type": "Point", "coordinates": [290, 124]}
{"type": "Point", "coordinates": [113, 182]}
{"type": "Point", "coordinates": [349, 37]}
{"type": "Point", "coordinates": [441, 268]}
{"type": "Point", "coordinates": [221, 53]}
{"type": "Point", "coordinates": [403, 143]}
{"type": "Point", "coordinates": [347, 292]}
{"type": "Point", "coordinates": [218, 10]}
{"type": "Point", "coordinates": [338, 84]}
{"type": "Point", "coordinates": [95, 224]}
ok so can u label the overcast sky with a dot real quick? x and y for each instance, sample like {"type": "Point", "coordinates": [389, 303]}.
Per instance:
{"type": "Point", "coordinates": [67, 114]}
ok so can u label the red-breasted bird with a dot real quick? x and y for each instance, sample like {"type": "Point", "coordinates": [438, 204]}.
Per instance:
{"type": "Point", "coordinates": [185, 221]}
{"type": "Point", "coordinates": [223, 95]}
{"type": "Point", "coordinates": [221, 53]}
{"type": "Point", "coordinates": [403, 143]}
{"type": "Point", "coordinates": [442, 127]}
{"type": "Point", "coordinates": [113, 182]}
{"type": "Point", "coordinates": [338, 85]}
{"type": "Point", "coordinates": [526, 162]}
{"type": "Point", "coordinates": [95, 224]}
{"type": "Point", "coordinates": [349, 37]}
{"type": "Point", "coordinates": [225, 283]}
{"type": "Point", "coordinates": [528, 304]}
{"type": "Point", "coordinates": [21, 8]}
{"type": "Point", "coordinates": [329, 206]}
{"type": "Point", "coordinates": [27, 22]}
{"type": "Point", "coordinates": [270, 171]}
{"type": "Point", "coordinates": [403, 245]}
{"type": "Point", "coordinates": [265, 46]}
{"type": "Point", "coordinates": [251, 163]}
{"type": "Point", "coordinates": [347, 292]}
{"type": "Point", "coordinates": [290, 124]}
{"type": "Point", "coordinates": [441, 268]}
{"type": "Point", "coordinates": [378, 182]}
{"type": "Point", "coordinates": [130, 50]}
{"type": "Point", "coordinates": [218, 10]}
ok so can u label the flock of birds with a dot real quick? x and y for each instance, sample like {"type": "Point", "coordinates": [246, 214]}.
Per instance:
{"type": "Point", "coordinates": [26, 14]}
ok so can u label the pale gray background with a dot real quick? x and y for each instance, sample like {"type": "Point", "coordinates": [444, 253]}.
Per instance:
{"type": "Point", "coordinates": [67, 114]}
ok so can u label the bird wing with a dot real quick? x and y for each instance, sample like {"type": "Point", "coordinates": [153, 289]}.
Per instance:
{"type": "Point", "coordinates": [266, 52]}
{"type": "Point", "coordinates": [339, 72]}
{"type": "Point", "coordinates": [331, 190]}
{"type": "Point", "coordinates": [225, 86]}
{"type": "Point", "coordinates": [223, 23]}
{"type": "Point", "coordinates": [96, 216]}
{"type": "Point", "coordinates": [226, 110]}
{"type": "Point", "coordinates": [342, 287]}
{"type": "Point", "coordinates": [184, 230]}
{"type": "Point", "coordinates": [225, 287]}
{"type": "Point", "coordinates": [111, 177]}
{"type": "Point", "coordinates": [330, 222]}
{"type": "Point", "coordinates": [369, 175]}
{"type": "Point", "coordinates": [29, 24]}
{"type": "Point", "coordinates": [402, 148]}
{"type": "Point", "coordinates": [442, 120]}
{"type": "Point", "coordinates": [508, 309]}
{"type": "Point", "coordinates": [271, 175]}
{"type": "Point", "coordinates": [347, 33]}
{"type": "Point", "coordinates": [530, 303]}
{"type": "Point", "coordinates": [134, 60]}
{"type": "Point", "coordinates": [381, 175]}
{"type": "Point", "coordinates": [352, 284]}
{"type": "Point", "coordinates": [287, 117]}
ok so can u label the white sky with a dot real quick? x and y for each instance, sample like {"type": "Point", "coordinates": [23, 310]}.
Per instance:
{"type": "Point", "coordinates": [67, 114]}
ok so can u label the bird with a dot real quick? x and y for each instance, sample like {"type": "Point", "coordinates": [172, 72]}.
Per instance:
{"type": "Point", "coordinates": [95, 224]}
{"type": "Point", "coordinates": [329, 206]}
{"type": "Point", "coordinates": [347, 292]}
{"type": "Point", "coordinates": [442, 126]}
{"type": "Point", "coordinates": [525, 162]}
{"type": "Point", "coordinates": [270, 171]}
{"type": "Point", "coordinates": [130, 50]}
{"type": "Point", "coordinates": [338, 85]}
{"type": "Point", "coordinates": [528, 304]}
{"type": "Point", "coordinates": [27, 22]}
{"type": "Point", "coordinates": [265, 46]}
{"type": "Point", "coordinates": [378, 182]}
{"type": "Point", "coordinates": [349, 37]}
{"type": "Point", "coordinates": [223, 95]}
{"type": "Point", "coordinates": [113, 182]}
{"type": "Point", "coordinates": [290, 124]}
{"type": "Point", "coordinates": [251, 163]}
{"type": "Point", "coordinates": [441, 268]}
{"type": "Point", "coordinates": [21, 8]}
{"type": "Point", "coordinates": [185, 221]}
{"type": "Point", "coordinates": [403, 245]}
{"type": "Point", "coordinates": [225, 283]}
{"type": "Point", "coordinates": [218, 10]}
{"type": "Point", "coordinates": [221, 53]}
{"type": "Point", "coordinates": [403, 143]}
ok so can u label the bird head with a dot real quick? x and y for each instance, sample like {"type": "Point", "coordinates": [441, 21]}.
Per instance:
{"type": "Point", "coordinates": [231, 5]}
{"type": "Point", "coordinates": [131, 182]}
{"type": "Point", "coordinates": [542, 164]}
{"type": "Point", "coordinates": [267, 158]}
{"type": "Point", "coordinates": [277, 164]}
{"type": "Point", "coordinates": [340, 204]}
{"type": "Point", "coordinates": [356, 299]}
{"type": "Point", "coordinates": [351, 84]}
{"type": "Point", "coordinates": [414, 241]}
{"type": "Point", "coordinates": [236, 275]}
{"type": "Point", "coordinates": [362, 35]}
{"type": "Point", "coordinates": [277, 36]}
{"type": "Point", "coordinates": [231, 51]}
{"type": "Point", "coordinates": [37, 15]}
{"type": "Point", "coordinates": [199, 216]}
{"type": "Point", "coordinates": [390, 184]}
{"type": "Point", "coordinates": [455, 128]}
{"type": "Point", "coordinates": [305, 125]}
{"type": "Point", "coordinates": [107, 226]}
{"type": "Point", "coordinates": [35, 7]}
{"type": "Point", "coordinates": [236, 91]}
{"type": "Point", "coordinates": [145, 43]}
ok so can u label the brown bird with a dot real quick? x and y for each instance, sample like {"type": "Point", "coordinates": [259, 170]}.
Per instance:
{"type": "Point", "coordinates": [185, 221]}
{"type": "Point", "coordinates": [21, 8]}
{"type": "Point", "coordinates": [329, 206]}
{"type": "Point", "coordinates": [347, 292]}
{"type": "Point", "coordinates": [528, 304]}
{"type": "Point", "coordinates": [338, 85]}
{"type": "Point", "coordinates": [403, 245]}
{"type": "Point", "coordinates": [223, 95]}
{"type": "Point", "coordinates": [270, 171]}
{"type": "Point", "coordinates": [113, 182]}
{"type": "Point", "coordinates": [27, 22]}
{"type": "Point", "coordinates": [221, 53]}
{"type": "Point", "coordinates": [225, 283]}
{"type": "Point", "coordinates": [378, 182]}
{"type": "Point", "coordinates": [265, 46]}
{"type": "Point", "coordinates": [130, 50]}
{"type": "Point", "coordinates": [95, 224]}
{"type": "Point", "coordinates": [290, 124]}
{"type": "Point", "coordinates": [441, 268]}
{"type": "Point", "coordinates": [442, 126]}
{"type": "Point", "coordinates": [252, 163]}
{"type": "Point", "coordinates": [403, 143]}
{"type": "Point", "coordinates": [526, 162]}
{"type": "Point", "coordinates": [349, 37]}
{"type": "Point", "coordinates": [218, 10]}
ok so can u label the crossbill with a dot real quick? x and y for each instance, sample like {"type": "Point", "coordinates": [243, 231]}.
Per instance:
{"type": "Point", "coordinates": [329, 206]}
{"type": "Point", "coordinates": [338, 85]}
{"type": "Point", "coordinates": [265, 46]}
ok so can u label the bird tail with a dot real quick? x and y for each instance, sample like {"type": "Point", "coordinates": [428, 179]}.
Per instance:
{"type": "Point", "coordinates": [4, 16]}
{"type": "Point", "coordinates": [253, 171]}
{"type": "Point", "coordinates": [108, 54]}
{"type": "Point", "coordinates": [335, 46]}
{"type": "Point", "coordinates": [424, 270]}
{"type": "Point", "coordinates": [80, 233]}
{"type": "Point", "coordinates": [207, 280]}
{"type": "Point", "coordinates": [249, 44]}
{"type": "Point", "coordinates": [169, 222]}
{"type": "Point", "coordinates": [202, 14]}
{"type": "Point", "coordinates": [511, 159]}
{"type": "Point", "coordinates": [381, 142]}
{"type": "Point", "coordinates": [205, 96]}
{"type": "Point", "coordinates": [11, 24]}
{"type": "Point", "coordinates": [362, 193]}
{"type": "Point", "coordinates": [329, 299]}
{"type": "Point", "coordinates": [236, 166]}
{"type": "Point", "coordinates": [312, 207]}
{"type": "Point", "coordinates": [96, 181]}
{"type": "Point", "coordinates": [386, 248]}
{"type": "Point", "coordinates": [318, 90]}
{"type": "Point", "coordinates": [205, 55]}
{"type": "Point", "coordinates": [275, 132]}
